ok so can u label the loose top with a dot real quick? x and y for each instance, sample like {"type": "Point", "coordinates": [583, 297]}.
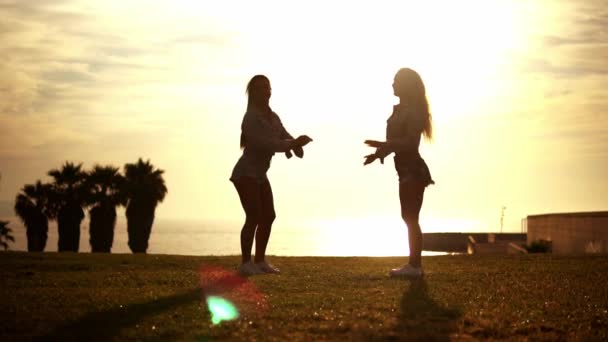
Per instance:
{"type": "Point", "coordinates": [262, 135]}
{"type": "Point", "coordinates": [404, 129]}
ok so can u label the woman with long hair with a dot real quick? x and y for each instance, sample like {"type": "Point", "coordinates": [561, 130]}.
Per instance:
{"type": "Point", "coordinates": [262, 135]}
{"type": "Point", "coordinates": [410, 120]}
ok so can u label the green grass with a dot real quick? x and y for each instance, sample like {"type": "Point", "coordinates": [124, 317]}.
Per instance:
{"type": "Point", "coordinates": [152, 297]}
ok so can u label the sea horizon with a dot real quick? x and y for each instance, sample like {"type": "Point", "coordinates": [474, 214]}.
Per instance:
{"type": "Point", "coordinates": [336, 237]}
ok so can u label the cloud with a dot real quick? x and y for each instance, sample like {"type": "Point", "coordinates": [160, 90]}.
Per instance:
{"type": "Point", "coordinates": [66, 75]}
{"type": "Point", "coordinates": [576, 45]}
{"type": "Point", "coordinates": [17, 91]}
{"type": "Point", "coordinates": [587, 26]}
{"type": "Point", "coordinates": [582, 39]}
{"type": "Point", "coordinates": [76, 83]}
{"type": "Point", "coordinates": [568, 74]}
{"type": "Point", "coordinates": [49, 47]}
{"type": "Point", "coordinates": [46, 10]}
{"type": "Point", "coordinates": [577, 67]}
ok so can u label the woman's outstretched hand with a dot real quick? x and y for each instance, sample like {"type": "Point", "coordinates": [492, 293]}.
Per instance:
{"type": "Point", "coordinates": [371, 157]}
{"type": "Point", "coordinates": [296, 146]}
{"type": "Point", "coordinates": [381, 151]}
{"type": "Point", "coordinates": [302, 140]}
{"type": "Point", "coordinates": [299, 151]}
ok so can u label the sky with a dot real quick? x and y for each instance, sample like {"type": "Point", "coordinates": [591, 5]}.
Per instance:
{"type": "Point", "coordinates": [517, 89]}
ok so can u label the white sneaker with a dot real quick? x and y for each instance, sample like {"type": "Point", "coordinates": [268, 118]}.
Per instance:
{"type": "Point", "coordinates": [266, 267]}
{"type": "Point", "coordinates": [248, 269]}
{"type": "Point", "coordinates": [407, 271]}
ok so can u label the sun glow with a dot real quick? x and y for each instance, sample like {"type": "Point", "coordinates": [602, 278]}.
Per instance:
{"type": "Point", "coordinates": [346, 52]}
{"type": "Point", "coordinates": [379, 235]}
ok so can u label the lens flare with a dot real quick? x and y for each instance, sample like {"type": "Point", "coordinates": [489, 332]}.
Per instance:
{"type": "Point", "coordinates": [230, 296]}
{"type": "Point", "coordinates": [221, 309]}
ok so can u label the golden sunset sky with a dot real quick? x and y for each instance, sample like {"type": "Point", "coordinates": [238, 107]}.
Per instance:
{"type": "Point", "coordinates": [518, 91]}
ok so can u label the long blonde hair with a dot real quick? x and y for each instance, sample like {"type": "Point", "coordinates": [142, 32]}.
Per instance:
{"type": "Point", "coordinates": [415, 93]}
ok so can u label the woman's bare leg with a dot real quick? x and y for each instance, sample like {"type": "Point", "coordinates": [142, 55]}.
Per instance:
{"type": "Point", "coordinates": [266, 219]}
{"type": "Point", "coordinates": [249, 194]}
{"type": "Point", "coordinates": [411, 195]}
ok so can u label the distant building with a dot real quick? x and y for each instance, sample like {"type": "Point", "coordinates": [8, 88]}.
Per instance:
{"type": "Point", "coordinates": [474, 243]}
{"type": "Point", "coordinates": [570, 233]}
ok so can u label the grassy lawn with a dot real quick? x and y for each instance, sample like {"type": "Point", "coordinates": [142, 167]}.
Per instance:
{"type": "Point", "coordinates": [159, 297]}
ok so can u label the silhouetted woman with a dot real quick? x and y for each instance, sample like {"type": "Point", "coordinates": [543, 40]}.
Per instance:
{"type": "Point", "coordinates": [410, 119]}
{"type": "Point", "coordinates": [262, 134]}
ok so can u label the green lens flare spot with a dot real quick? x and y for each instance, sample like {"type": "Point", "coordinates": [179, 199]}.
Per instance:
{"type": "Point", "coordinates": [221, 309]}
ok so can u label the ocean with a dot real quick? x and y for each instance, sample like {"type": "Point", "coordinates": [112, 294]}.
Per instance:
{"type": "Point", "coordinates": [371, 237]}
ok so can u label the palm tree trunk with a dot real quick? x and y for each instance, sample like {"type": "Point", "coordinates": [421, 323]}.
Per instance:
{"type": "Point", "coordinates": [101, 228]}
{"type": "Point", "coordinates": [140, 217]}
{"type": "Point", "coordinates": [68, 224]}
{"type": "Point", "coordinates": [36, 231]}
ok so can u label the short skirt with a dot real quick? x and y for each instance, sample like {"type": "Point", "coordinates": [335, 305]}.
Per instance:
{"type": "Point", "coordinates": [413, 167]}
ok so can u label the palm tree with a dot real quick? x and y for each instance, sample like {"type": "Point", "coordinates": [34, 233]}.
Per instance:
{"type": "Point", "coordinates": [104, 184]}
{"type": "Point", "coordinates": [5, 235]}
{"type": "Point", "coordinates": [33, 206]}
{"type": "Point", "coordinates": [70, 192]}
{"type": "Point", "coordinates": [145, 188]}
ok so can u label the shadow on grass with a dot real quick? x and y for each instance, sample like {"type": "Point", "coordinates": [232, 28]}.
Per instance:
{"type": "Point", "coordinates": [421, 318]}
{"type": "Point", "coordinates": [105, 325]}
